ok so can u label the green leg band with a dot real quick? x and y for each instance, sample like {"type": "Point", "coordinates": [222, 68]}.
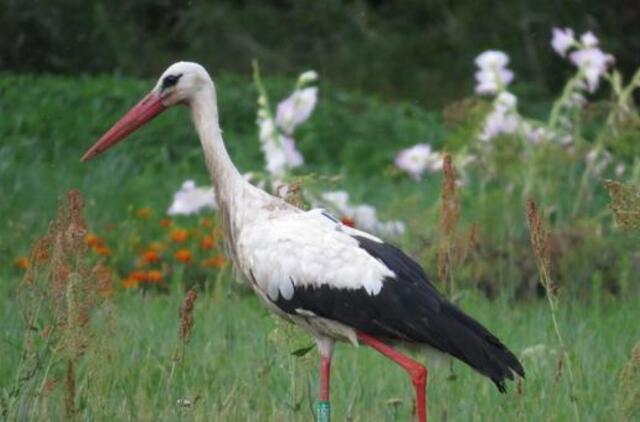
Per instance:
{"type": "Point", "coordinates": [323, 411]}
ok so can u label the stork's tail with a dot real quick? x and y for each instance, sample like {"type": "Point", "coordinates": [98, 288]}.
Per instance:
{"type": "Point", "coordinates": [476, 346]}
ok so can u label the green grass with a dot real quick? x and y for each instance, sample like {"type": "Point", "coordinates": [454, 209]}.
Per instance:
{"type": "Point", "coordinates": [239, 365]}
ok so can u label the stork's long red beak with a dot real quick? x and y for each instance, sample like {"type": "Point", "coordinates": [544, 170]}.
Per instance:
{"type": "Point", "coordinates": [148, 108]}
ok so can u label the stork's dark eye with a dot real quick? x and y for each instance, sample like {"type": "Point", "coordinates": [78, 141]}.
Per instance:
{"type": "Point", "coordinates": [170, 80]}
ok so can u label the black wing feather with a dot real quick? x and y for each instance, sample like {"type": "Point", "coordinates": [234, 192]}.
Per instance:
{"type": "Point", "coordinates": [410, 309]}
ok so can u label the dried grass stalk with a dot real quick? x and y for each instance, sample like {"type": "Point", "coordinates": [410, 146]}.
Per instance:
{"type": "Point", "coordinates": [70, 389]}
{"type": "Point", "coordinates": [539, 238]}
{"type": "Point", "coordinates": [449, 218]}
{"type": "Point", "coordinates": [293, 194]}
{"type": "Point", "coordinates": [58, 295]}
{"type": "Point", "coordinates": [186, 315]}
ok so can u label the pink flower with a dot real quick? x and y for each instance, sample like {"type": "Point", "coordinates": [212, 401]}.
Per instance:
{"type": "Point", "coordinates": [562, 40]}
{"type": "Point", "coordinates": [593, 63]}
{"type": "Point", "coordinates": [416, 160]}
{"type": "Point", "coordinates": [492, 75]}
{"type": "Point", "coordinates": [296, 108]}
{"type": "Point", "coordinates": [589, 40]}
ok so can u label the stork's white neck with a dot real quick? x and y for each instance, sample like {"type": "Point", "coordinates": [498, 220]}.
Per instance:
{"type": "Point", "coordinates": [232, 190]}
{"type": "Point", "coordinates": [224, 175]}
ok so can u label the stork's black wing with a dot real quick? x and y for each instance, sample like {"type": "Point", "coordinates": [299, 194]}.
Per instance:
{"type": "Point", "coordinates": [408, 308]}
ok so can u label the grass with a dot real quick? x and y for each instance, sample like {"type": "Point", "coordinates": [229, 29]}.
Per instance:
{"type": "Point", "coordinates": [237, 371]}
{"type": "Point", "coordinates": [239, 363]}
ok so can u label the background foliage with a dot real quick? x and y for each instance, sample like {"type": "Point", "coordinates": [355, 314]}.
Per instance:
{"type": "Point", "coordinates": [420, 50]}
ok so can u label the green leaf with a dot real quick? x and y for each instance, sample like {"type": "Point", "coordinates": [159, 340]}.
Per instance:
{"type": "Point", "coordinates": [302, 351]}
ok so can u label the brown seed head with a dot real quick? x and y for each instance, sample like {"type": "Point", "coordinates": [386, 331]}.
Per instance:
{"type": "Point", "coordinates": [186, 315]}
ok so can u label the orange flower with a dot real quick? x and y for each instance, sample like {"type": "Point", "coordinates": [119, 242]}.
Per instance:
{"type": "Point", "coordinates": [138, 276]}
{"type": "Point", "coordinates": [165, 222]}
{"type": "Point", "coordinates": [22, 263]}
{"type": "Point", "coordinates": [150, 256]}
{"type": "Point", "coordinates": [206, 222]}
{"type": "Point", "coordinates": [207, 242]}
{"type": "Point", "coordinates": [129, 282]}
{"type": "Point", "coordinates": [179, 235]}
{"type": "Point", "coordinates": [183, 255]}
{"type": "Point", "coordinates": [144, 213]}
{"type": "Point", "coordinates": [154, 276]}
{"type": "Point", "coordinates": [93, 241]}
{"type": "Point", "coordinates": [217, 261]}
{"type": "Point", "coordinates": [134, 278]}
{"type": "Point", "coordinates": [102, 250]}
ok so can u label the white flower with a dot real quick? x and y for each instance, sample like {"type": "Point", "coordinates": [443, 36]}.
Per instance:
{"type": "Point", "coordinates": [492, 59]}
{"type": "Point", "coordinates": [503, 119]}
{"type": "Point", "coordinates": [588, 40]}
{"type": "Point", "coordinates": [267, 128]}
{"type": "Point", "coordinates": [593, 63]}
{"type": "Point", "coordinates": [492, 75]}
{"type": "Point", "coordinates": [535, 135]}
{"type": "Point", "coordinates": [339, 199]}
{"type": "Point", "coordinates": [190, 199]}
{"type": "Point", "coordinates": [490, 81]}
{"type": "Point", "coordinates": [620, 168]}
{"type": "Point", "coordinates": [307, 77]}
{"type": "Point", "coordinates": [415, 160]}
{"type": "Point", "coordinates": [281, 154]}
{"type": "Point", "coordinates": [364, 216]}
{"type": "Point", "coordinates": [434, 162]}
{"type": "Point", "coordinates": [292, 155]}
{"type": "Point", "coordinates": [506, 101]}
{"type": "Point", "coordinates": [296, 108]}
{"type": "Point", "coordinates": [279, 151]}
{"type": "Point", "coordinates": [499, 122]}
{"type": "Point", "coordinates": [591, 155]}
{"type": "Point", "coordinates": [392, 228]}
{"type": "Point", "coordinates": [562, 40]}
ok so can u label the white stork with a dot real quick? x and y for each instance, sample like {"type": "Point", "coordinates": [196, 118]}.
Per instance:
{"type": "Point", "coordinates": [338, 283]}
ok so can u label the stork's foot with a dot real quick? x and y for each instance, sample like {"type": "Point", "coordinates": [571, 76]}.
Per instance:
{"type": "Point", "coordinates": [417, 372]}
{"type": "Point", "coordinates": [323, 411]}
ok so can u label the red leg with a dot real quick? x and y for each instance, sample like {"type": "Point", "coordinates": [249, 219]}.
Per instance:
{"type": "Point", "coordinates": [325, 377]}
{"type": "Point", "coordinates": [323, 407]}
{"type": "Point", "coordinates": [417, 372]}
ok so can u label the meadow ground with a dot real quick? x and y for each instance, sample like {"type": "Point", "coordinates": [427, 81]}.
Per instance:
{"type": "Point", "coordinates": [239, 363]}
{"type": "Point", "coordinates": [238, 366]}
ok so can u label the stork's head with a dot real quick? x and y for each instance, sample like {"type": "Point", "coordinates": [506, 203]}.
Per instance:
{"type": "Point", "coordinates": [179, 84]}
